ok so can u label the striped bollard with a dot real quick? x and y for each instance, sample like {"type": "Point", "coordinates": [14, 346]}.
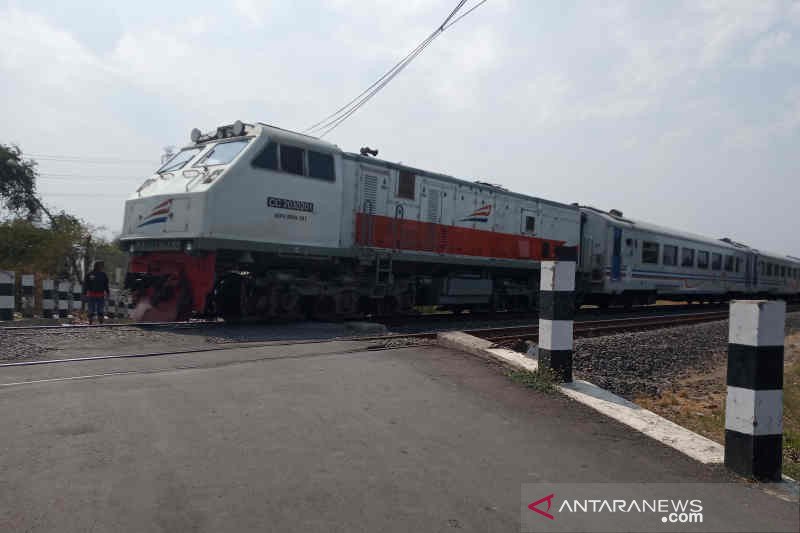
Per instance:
{"type": "Point", "coordinates": [28, 294]}
{"type": "Point", "coordinates": [48, 298]}
{"type": "Point", "coordinates": [64, 298]}
{"type": "Point", "coordinates": [113, 303]}
{"type": "Point", "coordinates": [77, 293]}
{"type": "Point", "coordinates": [754, 405]}
{"type": "Point", "coordinates": [6, 295]}
{"type": "Point", "coordinates": [556, 311]}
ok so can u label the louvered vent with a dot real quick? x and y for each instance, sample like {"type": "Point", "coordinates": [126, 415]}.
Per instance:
{"type": "Point", "coordinates": [370, 194]}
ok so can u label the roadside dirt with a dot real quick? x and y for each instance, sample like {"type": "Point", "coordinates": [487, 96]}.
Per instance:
{"type": "Point", "coordinates": [697, 401]}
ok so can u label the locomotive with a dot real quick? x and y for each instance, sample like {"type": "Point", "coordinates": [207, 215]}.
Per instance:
{"type": "Point", "coordinates": [252, 220]}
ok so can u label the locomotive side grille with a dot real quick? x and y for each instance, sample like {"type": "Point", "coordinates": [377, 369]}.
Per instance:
{"type": "Point", "coordinates": [370, 194]}
{"type": "Point", "coordinates": [433, 207]}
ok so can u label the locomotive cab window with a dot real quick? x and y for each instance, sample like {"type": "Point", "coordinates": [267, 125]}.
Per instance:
{"type": "Point", "coordinates": [406, 185]}
{"type": "Point", "coordinates": [320, 166]}
{"type": "Point", "coordinates": [650, 252]}
{"type": "Point", "coordinates": [702, 259]}
{"type": "Point", "coordinates": [687, 257]}
{"type": "Point", "coordinates": [222, 153]}
{"type": "Point", "coordinates": [716, 261]}
{"type": "Point", "coordinates": [268, 158]}
{"type": "Point", "coordinates": [670, 255]}
{"type": "Point", "coordinates": [292, 159]}
{"type": "Point", "coordinates": [530, 224]}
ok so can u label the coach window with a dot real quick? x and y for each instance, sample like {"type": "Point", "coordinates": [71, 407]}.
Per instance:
{"type": "Point", "coordinates": [702, 259]}
{"type": "Point", "coordinates": [716, 261]}
{"type": "Point", "coordinates": [406, 185]}
{"type": "Point", "coordinates": [738, 264]}
{"type": "Point", "coordinates": [670, 255]}
{"type": "Point", "coordinates": [783, 271]}
{"type": "Point", "coordinates": [320, 166]}
{"type": "Point", "coordinates": [268, 158]}
{"type": "Point", "coordinates": [650, 252]}
{"type": "Point", "coordinates": [687, 257]}
{"type": "Point", "coordinates": [292, 159]}
{"type": "Point", "coordinates": [728, 263]}
{"type": "Point", "coordinates": [769, 269]}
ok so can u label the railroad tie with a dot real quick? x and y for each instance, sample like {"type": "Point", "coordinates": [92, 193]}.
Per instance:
{"type": "Point", "coordinates": [754, 405]}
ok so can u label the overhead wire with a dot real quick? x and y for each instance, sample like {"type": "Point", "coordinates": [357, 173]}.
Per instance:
{"type": "Point", "coordinates": [85, 159]}
{"type": "Point", "coordinates": [336, 118]}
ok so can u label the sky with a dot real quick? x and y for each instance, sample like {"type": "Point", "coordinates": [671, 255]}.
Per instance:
{"type": "Point", "coordinates": [684, 114]}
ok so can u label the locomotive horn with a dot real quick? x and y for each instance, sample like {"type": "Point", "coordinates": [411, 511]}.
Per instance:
{"type": "Point", "coordinates": [366, 150]}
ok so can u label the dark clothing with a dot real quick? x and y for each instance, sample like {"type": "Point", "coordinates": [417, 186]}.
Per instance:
{"type": "Point", "coordinates": [95, 285]}
{"type": "Point", "coordinates": [96, 306]}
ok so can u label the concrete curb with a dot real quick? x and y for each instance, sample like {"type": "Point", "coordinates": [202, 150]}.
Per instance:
{"type": "Point", "coordinates": [654, 426]}
{"type": "Point", "coordinates": [464, 342]}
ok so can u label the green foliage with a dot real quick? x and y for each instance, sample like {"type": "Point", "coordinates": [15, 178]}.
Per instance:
{"type": "Point", "coordinates": [110, 253]}
{"type": "Point", "coordinates": [29, 247]}
{"type": "Point", "coordinates": [542, 380]}
{"type": "Point", "coordinates": [18, 184]}
{"type": "Point", "coordinates": [59, 248]}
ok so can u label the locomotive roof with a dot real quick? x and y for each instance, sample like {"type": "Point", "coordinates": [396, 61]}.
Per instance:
{"type": "Point", "coordinates": [451, 179]}
{"type": "Point", "coordinates": [310, 140]}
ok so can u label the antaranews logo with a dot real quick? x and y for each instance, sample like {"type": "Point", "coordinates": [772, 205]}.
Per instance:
{"type": "Point", "coordinates": [549, 499]}
{"type": "Point", "coordinates": [610, 507]}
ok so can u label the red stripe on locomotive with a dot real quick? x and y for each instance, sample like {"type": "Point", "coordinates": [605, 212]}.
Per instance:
{"type": "Point", "coordinates": [387, 232]}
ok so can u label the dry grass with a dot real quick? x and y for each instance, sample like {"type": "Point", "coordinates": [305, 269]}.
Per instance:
{"type": "Point", "coordinates": [698, 403]}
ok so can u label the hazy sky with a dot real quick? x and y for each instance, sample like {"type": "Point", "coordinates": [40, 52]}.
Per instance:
{"type": "Point", "coordinates": [686, 114]}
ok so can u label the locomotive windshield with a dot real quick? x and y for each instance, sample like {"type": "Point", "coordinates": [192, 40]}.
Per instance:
{"type": "Point", "coordinates": [223, 153]}
{"type": "Point", "coordinates": [179, 160]}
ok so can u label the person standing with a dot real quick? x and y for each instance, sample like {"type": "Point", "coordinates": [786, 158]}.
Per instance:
{"type": "Point", "coordinates": [95, 289]}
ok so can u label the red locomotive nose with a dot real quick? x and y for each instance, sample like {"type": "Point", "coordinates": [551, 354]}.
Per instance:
{"type": "Point", "coordinates": [169, 286]}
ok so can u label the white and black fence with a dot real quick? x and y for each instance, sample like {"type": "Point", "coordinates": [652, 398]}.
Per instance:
{"type": "Point", "coordinates": [51, 298]}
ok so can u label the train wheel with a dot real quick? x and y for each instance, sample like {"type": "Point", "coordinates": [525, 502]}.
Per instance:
{"type": "Point", "coordinates": [324, 308]}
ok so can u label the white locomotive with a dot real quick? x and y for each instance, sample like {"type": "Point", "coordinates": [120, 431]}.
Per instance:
{"type": "Point", "coordinates": [255, 220]}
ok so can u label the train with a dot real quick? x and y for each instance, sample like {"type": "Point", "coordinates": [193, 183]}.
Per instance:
{"type": "Point", "coordinates": [251, 220]}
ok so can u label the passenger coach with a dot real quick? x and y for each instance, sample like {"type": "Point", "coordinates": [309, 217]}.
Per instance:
{"type": "Point", "coordinates": [626, 262]}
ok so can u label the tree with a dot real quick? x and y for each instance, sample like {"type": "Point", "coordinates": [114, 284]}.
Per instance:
{"type": "Point", "coordinates": [18, 184]}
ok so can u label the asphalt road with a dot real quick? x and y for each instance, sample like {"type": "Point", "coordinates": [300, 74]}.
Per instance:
{"type": "Point", "coordinates": [314, 437]}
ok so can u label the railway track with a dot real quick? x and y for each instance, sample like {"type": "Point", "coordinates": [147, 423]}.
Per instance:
{"type": "Point", "coordinates": [501, 336]}
{"type": "Point", "coordinates": [593, 328]}
{"type": "Point", "coordinates": [389, 321]}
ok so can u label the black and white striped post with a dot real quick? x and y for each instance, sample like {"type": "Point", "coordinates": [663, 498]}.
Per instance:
{"type": "Point", "coordinates": [64, 298]}
{"type": "Point", "coordinates": [28, 294]}
{"type": "Point", "coordinates": [556, 312]}
{"type": "Point", "coordinates": [754, 406]}
{"type": "Point", "coordinates": [77, 294]}
{"type": "Point", "coordinates": [48, 298]}
{"type": "Point", "coordinates": [6, 295]}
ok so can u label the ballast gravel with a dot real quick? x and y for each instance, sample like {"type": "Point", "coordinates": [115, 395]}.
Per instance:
{"type": "Point", "coordinates": [649, 362]}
